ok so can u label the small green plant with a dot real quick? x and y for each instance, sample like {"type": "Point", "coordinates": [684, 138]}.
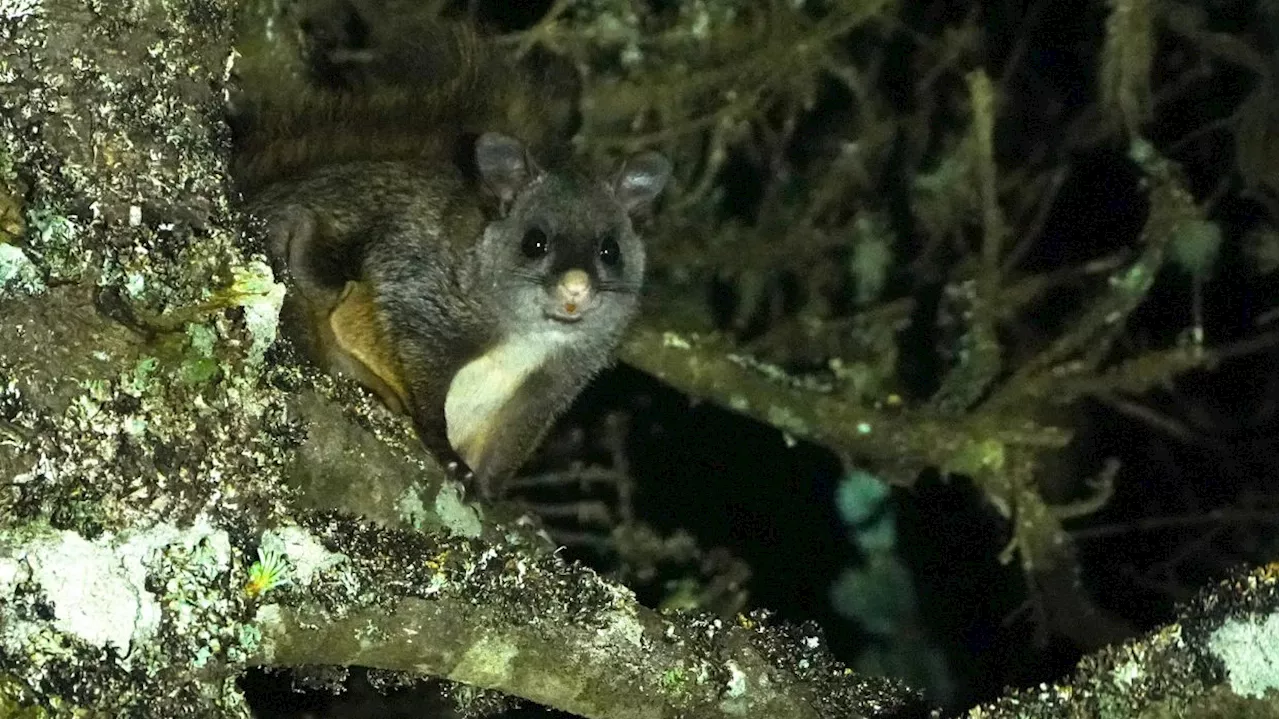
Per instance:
{"type": "Point", "coordinates": [270, 571]}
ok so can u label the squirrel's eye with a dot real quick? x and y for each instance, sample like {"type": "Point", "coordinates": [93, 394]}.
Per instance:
{"type": "Point", "coordinates": [610, 253]}
{"type": "Point", "coordinates": [534, 244]}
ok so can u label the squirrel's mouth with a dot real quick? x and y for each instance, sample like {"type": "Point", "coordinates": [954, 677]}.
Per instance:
{"type": "Point", "coordinates": [570, 311]}
{"type": "Point", "coordinates": [567, 314]}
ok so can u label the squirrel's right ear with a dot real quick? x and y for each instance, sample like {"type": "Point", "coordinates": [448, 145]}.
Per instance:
{"type": "Point", "coordinates": [504, 165]}
{"type": "Point", "coordinates": [641, 179]}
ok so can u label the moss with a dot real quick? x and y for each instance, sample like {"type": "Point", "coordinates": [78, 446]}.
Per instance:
{"type": "Point", "coordinates": [12, 189]}
{"type": "Point", "coordinates": [270, 571]}
{"type": "Point", "coordinates": [673, 680]}
{"type": "Point", "coordinates": [16, 701]}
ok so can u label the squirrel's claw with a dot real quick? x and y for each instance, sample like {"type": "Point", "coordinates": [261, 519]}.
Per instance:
{"type": "Point", "coordinates": [458, 469]}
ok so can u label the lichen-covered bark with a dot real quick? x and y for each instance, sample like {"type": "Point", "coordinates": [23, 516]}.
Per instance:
{"type": "Point", "coordinates": [530, 626]}
{"type": "Point", "coordinates": [1219, 659]}
{"type": "Point", "coordinates": [176, 581]}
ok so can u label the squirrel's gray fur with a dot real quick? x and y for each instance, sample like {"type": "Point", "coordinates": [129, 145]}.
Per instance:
{"type": "Point", "coordinates": [498, 287]}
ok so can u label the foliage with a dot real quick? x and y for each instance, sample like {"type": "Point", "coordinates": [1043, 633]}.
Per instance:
{"type": "Point", "coordinates": [867, 241]}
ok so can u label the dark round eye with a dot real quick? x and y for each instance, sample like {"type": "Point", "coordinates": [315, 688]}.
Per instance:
{"type": "Point", "coordinates": [534, 244]}
{"type": "Point", "coordinates": [610, 253]}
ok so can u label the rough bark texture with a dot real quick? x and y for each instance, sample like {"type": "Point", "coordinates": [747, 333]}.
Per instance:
{"type": "Point", "coordinates": [178, 497]}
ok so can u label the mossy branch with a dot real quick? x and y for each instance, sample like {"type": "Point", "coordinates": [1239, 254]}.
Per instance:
{"type": "Point", "coordinates": [705, 366]}
{"type": "Point", "coordinates": [1126, 63]}
{"type": "Point", "coordinates": [589, 649]}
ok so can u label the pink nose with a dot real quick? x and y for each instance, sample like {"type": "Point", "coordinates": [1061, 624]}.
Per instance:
{"type": "Point", "coordinates": [574, 291]}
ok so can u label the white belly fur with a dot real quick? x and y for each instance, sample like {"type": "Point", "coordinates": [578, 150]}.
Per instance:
{"type": "Point", "coordinates": [480, 389]}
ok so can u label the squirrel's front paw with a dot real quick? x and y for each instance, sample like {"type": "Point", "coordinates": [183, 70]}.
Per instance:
{"type": "Point", "coordinates": [458, 469]}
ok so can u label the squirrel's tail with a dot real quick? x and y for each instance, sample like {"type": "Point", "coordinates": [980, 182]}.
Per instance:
{"type": "Point", "coordinates": [370, 86]}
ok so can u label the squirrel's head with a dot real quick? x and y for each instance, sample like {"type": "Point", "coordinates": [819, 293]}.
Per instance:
{"type": "Point", "coordinates": [562, 247]}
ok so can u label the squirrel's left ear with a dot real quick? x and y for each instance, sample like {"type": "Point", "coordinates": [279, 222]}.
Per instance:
{"type": "Point", "coordinates": [641, 180]}
{"type": "Point", "coordinates": [504, 165]}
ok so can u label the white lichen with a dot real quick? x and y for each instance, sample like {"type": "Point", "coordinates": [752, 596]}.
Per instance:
{"type": "Point", "coordinates": [733, 698]}
{"type": "Point", "coordinates": [17, 273]}
{"type": "Point", "coordinates": [96, 589]}
{"type": "Point", "coordinates": [1248, 648]}
{"type": "Point", "coordinates": [261, 297]}
{"type": "Point", "coordinates": [19, 9]}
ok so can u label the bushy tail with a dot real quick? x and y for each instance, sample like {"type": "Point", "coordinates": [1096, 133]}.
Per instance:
{"type": "Point", "coordinates": [370, 83]}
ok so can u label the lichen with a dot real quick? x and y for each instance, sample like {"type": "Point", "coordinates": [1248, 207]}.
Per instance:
{"type": "Point", "coordinates": [459, 517]}
{"type": "Point", "coordinates": [96, 590]}
{"type": "Point", "coordinates": [55, 240]}
{"type": "Point", "coordinates": [261, 297]}
{"type": "Point", "coordinates": [412, 510]}
{"type": "Point", "coordinates": [139, 131]}
{"type": "Point", "coordinates": [737, 695]}
{"type": "Point", "coordinates": [306, 555]}
{"type": "Point", "coordinates": [1247, 648]}
{"type": "Point", "coordinates": [487, 663]}
{"type": "Point", "coordinates": [18, 275]}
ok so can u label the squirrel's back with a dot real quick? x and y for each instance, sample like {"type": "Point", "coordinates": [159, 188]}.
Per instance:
{"type": "Point", "coordinates": [377, 83]}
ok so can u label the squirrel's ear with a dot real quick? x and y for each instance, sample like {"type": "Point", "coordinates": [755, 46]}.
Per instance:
{"type": "Point", "coordinates": [641, 180]}
{"type": "Point", "coordinates": [504, 165]}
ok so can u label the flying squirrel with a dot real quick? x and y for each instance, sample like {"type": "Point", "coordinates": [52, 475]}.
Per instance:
{"type": "Point", "coordinates": [441, 250]}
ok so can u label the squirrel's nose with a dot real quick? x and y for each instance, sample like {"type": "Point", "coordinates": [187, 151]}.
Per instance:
{"type": "Point", "coordinates": [573, 292]}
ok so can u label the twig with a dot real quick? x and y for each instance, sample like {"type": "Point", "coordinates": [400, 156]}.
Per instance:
{"type": "Point", "coordinates": [1150, 416]}
{"type": "Point", "coordinates": [1028, 24]}
{"type": "Point", "coordinates": [1152, 524]}
{"type": "Point", "coordinates": [1033, 230]}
